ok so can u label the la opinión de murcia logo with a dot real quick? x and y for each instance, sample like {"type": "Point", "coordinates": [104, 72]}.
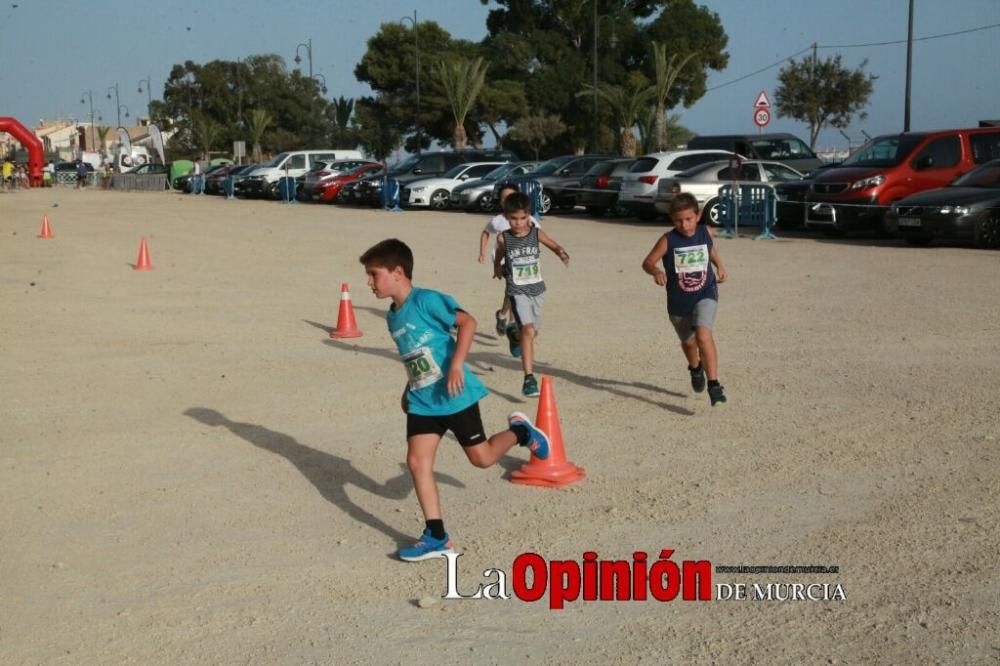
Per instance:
{"type": "Point", "coordinates": [639, 579]}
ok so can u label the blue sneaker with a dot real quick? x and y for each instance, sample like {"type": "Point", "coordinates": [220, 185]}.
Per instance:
{"type": "Point", "coordinates": [426, 548]}
{"type": "Point", "coordinates": [538, 441]}
{"type": "Point", "coordinates": [514, 338]}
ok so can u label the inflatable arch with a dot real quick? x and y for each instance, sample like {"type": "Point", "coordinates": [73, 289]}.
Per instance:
{"type": "Point", "coordinates": [31, 143]}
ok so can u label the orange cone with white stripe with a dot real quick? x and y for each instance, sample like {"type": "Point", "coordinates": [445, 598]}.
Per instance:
{"type": "Point", "coordinates": [346, 326]}
{"type": "Point", "coordinates": [555, 471]}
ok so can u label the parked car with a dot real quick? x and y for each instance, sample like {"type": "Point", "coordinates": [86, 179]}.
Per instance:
{"type": "Point", "coordinates": [71, 167]}
{"type": "Point", "coordinates": [785, 148]}
{"type": "Point", "coordinates": [435, 192]}
{"type": "Point", "coordinates": [311, 184]}
{"type": "Point", "coordinates": [435, 163]}
{"type": "Point", "coordinates": [150, 168]}
{"type": "Point", "coordinates": [968, 209]}
{"type": "Point", "coordinates": [262, 181]}
{"type": "Point", "coordinates": [184, 183]}
{"type": "Point", "coordinates": [214, 181]}
{"type": "Point", "coordinates": [792, 198]}
{"type": "Point", "coordinates": [560, 179]}
{"type": "Point", "coordinates": [600, 187]}
{"type": "Point", "coordinates": [704, 181]}
{"type": "Point", "coordinates": [477, 195]}
{"type": "Point", "coordinates": [857, 194]}
{"type": "Point", "coordinates": [638, 191]}
{"type": "Point", "coordinates": [366, 191]}
{"type": "Point", "coordinates": [335, 186]}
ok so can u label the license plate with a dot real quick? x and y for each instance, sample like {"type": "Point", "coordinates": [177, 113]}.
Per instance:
{"type": "Point", "coordinates": [908, 221]}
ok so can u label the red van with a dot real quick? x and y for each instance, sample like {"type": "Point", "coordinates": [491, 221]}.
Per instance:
{"type": "Point", "coordinates": [856, 194]}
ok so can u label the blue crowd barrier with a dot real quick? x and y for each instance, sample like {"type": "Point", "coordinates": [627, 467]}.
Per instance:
{"type": "Point", "coordinates": [753, 205]}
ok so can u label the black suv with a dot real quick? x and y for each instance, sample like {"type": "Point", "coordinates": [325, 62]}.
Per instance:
{"type": "Point", "coordinates": [560, 178]}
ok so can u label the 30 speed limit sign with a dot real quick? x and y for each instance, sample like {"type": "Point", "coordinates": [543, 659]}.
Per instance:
{"type": "Point", "coordinates": [761, 116]}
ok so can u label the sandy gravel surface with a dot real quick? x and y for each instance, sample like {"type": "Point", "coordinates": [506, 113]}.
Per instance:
{"type": "Point", "coordinates": [191, 471]}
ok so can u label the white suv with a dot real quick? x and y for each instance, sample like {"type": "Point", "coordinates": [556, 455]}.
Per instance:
{"type": "Point", "coordinates": [638, 193]}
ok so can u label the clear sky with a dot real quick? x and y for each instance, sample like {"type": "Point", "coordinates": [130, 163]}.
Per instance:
{"type": "Point", "coordinates": [56, 50]}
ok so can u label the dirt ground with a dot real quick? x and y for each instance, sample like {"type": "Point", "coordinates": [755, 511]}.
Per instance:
{"type": "Point", "coordinates": [191, 471]}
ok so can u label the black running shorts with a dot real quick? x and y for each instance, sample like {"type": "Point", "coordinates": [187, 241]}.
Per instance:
{"type": "Point", "coordinates": [467, 425]}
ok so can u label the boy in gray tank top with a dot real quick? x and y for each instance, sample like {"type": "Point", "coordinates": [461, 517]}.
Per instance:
{"type": "Point", "coordinates": [518, 262]}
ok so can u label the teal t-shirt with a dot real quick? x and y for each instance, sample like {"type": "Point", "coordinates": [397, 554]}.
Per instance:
{"type": "Point", "coordinates": [421, 330]}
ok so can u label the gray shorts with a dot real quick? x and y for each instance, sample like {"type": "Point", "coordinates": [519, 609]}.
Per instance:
{"type": "Point", "coordinates": [702, 315]}
{"type": "Point", "coordinates": [527, 310]}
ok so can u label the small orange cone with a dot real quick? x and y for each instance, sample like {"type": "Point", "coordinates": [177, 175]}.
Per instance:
{"type": "Point", "coordinates": [142, 264]}
{"type": "Point", "coordinates": [346, 326]}
{"type": "Point", "coordinates": [555, 471]}
{"type": "Point", "coordinates": [46, 230]}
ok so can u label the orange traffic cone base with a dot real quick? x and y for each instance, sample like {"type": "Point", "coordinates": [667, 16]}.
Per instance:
{"type": "Point", "coordinates": [347, 327]}
{"type": "Point", "coordinates": [534, 474]}
{"type": "Point", "coordinates": [555, 471]}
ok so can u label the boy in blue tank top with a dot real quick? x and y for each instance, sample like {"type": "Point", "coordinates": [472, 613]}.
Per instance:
{"type": "Point", "coordinates": [441, 393]}
{"type": "Point", "coordinates": [687, 253]}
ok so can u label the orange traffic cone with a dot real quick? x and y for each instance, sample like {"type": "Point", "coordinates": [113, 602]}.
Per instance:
{"type": "Point", "coordinates": [142, 264]}
{"type": "Point", "coordinates": [46, 230]}
{"type": "Point", "coordinates": [346, 326]}
{"type": "Point", "coordinates": [555, 471]}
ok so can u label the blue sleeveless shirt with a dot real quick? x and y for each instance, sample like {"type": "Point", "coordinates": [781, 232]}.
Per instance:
{"type": "Point", "coordinates": [688, 265]}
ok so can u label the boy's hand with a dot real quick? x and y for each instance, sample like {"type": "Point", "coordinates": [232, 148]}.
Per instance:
{"type": "Point", "coordinates": [482, 258]}
{"type": "Point", "coordinates": [660, 278]}
{"type": "Point", "coordinates": [564, 256]}
{"type": "Point", "coordinates": [456, 381]}
{"type": "Point", "coordinates": [722, 274]}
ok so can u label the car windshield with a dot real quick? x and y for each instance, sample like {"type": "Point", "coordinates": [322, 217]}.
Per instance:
{"type": "Point", "coordinates": [988, 175]}
{"type": "Point", "coordinates": [782, 149]}
{"type": "Point", "coordinates": [500, 171]}
{"type": "Point", "coordinates": [405, 165]}
{"type": "Point", "coordinates": [277, 160]}
{"type": "Point", "coordinates": [454, 172]}
{"type": "Point", "coordinates": [701, 168]}
{"type": "Point", "coordinates": [885, 151]}
{"type": "Point", "coordinates": [550, 167]}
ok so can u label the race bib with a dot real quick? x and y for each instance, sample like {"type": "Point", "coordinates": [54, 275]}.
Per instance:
{"type": "Point", "coordinates": [421, 369]}
{"type": "Point", "coordinates": [693, 259]}
{"type": "Point", "coordinates": [525, 270]}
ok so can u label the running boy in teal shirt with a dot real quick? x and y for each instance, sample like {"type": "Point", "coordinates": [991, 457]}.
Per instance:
{"type": "Point", "coordinates": [441, 393]}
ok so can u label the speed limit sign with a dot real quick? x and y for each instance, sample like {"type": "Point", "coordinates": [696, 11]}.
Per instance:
{"type": "Point", "coordinates": [761, 117]}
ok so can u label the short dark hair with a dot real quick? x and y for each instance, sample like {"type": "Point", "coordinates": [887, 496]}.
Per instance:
{"type": "Point", "coordinates": [683, 201]}
{"type": "Point", "coordinates": [515, 202]}
{"type": "Point", "coordinates": [507, 185]}
{"type": "Point", "coordinates": [389, 254]}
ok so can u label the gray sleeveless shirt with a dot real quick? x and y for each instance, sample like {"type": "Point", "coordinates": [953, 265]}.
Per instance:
{"type": "Point", "coordinates": [523, 267]}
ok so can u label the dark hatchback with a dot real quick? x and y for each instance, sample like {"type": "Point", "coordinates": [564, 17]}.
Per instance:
{"type": "Point", "coordinates": [560, 179]}
{"type": "Point", "coordinates": [966, 210]}
{"type": "Point", "coordinates": [599, 187]}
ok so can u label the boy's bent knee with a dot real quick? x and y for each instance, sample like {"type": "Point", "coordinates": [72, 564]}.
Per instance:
{"type": "Point", "coordinates": [703, 333]}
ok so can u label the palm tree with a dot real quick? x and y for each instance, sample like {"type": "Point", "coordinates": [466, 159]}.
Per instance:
{"type": "Point", "coordinates": [627, 103]}
{"type": "Point", "coordinates": [343, 108]}
{"type": "Point", "coordinates": [206, 131]}
{"type": "Point", "coordinates": [102, 133]}
{"type": "Point", "coordinates": [258, 120]}
{"type": "Point", "coordinates": [462, 80]}
{"type": "Point", "coordinates": [666, 74]}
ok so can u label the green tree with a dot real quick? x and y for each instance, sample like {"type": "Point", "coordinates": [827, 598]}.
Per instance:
{"type": "Point", "coordinates": [666, 73]}
{"type": "Point", "coordinates": [258, 121]}
{"type": "Point", "coordinates": [537, 130]}
{"type": "Point", "coordinates": [374, 128]}
{"type": "Point", "coordinates": [628, 103]}
{"type": "Point", "coordinates": [462, 80]}
{"type": "Point", "coordinates": [823, 92]}
{"type": "Point", "coordinates": [206, 132]}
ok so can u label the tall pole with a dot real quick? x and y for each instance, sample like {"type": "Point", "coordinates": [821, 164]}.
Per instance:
{"type": "Point", "coordinates": [93, 139]}
{"type": "Point", "coordinates": [416, 55]}
{"type": "Point", "coordinates": [149, 95]}
{"type": "Point", "coordinates": [909, 70]}
{"type": "Point", "coordinates": [594, 147]}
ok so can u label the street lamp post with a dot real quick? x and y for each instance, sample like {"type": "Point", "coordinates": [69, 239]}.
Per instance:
{"type": "Point", "coordinates": [90, 96]}
{"type": "Point", "coordinates": [416, 52]}
{"type": "Point", "coordinates": [322, 87]}
{"type": "Point", "coordinates": [149, 94]}
{"type": "Point", "coordinates": [308, 46]}
{"type": "Point", "coordinates": [117, 102]}
{"type": "Point", "coordinates": [597, 24]}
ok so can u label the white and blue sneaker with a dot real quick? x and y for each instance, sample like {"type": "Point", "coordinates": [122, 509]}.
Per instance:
{"type": "Point", "coordinates": [538, 441]}
{"type": "Point", "coordinates": [426, 548]}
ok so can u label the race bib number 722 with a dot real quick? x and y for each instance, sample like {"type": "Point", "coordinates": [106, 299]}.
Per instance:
{"type": "Point", "coordinates": [693, 259]}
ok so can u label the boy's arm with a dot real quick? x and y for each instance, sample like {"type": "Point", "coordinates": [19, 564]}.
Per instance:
{"type": "Point", "coordinates": [466, 326]}
{"type": "Point", "coordinates": [547, 241]}
{"type": "Point", "coordinates": [717, 260]}
{"type": "Point", "coordinates": [484, 239]}
{"type": "Point", "coordinates": [651, 264]}
{"type": "Point", "coordinates": [497, 273]}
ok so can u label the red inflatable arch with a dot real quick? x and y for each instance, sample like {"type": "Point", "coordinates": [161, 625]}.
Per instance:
{"type": "Point", "coordinates": [31, 143]}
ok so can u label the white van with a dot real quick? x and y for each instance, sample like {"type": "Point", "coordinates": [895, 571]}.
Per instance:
{"type": "Point", "coordinates": [261, 180]}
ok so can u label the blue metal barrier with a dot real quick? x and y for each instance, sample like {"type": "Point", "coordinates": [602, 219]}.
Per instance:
{"type": "Point", "coordinates": [286, 189]}
{"type": "Point", "coordinates": [754, 205]}
{"type": "Point", "coordinates": [534, 191]}
{"type": "Point", "coordinates": [390, 195]}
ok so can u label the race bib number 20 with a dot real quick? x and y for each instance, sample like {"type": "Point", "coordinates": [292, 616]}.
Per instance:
{"type": "Point", "coordinates": [421, 369]}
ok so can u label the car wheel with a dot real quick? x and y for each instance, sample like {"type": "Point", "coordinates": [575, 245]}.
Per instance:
{"type": "Point", "coordinates": [987, 231]}
{"type": "Point", "coordinates": [596, 211]}
{"type": "Point", "coordinates": [546, 203]}
{"type": "Point", "coordinates": [713, 213]}
{"type": "Point", "coordinates": [484, 203]}
{"type": "Point", "coordinates": [619, 209]}
{"type": "Point", "coordinates": [439, 199]}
